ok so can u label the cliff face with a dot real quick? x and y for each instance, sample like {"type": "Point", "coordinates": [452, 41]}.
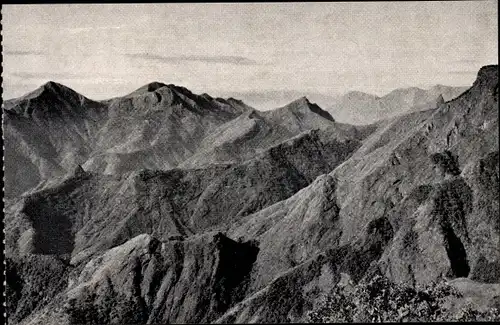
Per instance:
{"type": "Point", "coordinates": [269, 214]}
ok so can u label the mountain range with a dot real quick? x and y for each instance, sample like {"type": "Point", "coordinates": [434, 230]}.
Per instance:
{"type": "Point", "coordinates": [270, 99]}
{"type": "Point", "coordinates": [357, 107]}
{"type": "Point", "coordinates": [164, 206]}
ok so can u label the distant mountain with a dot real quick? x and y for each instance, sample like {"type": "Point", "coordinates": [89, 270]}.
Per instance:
{"type": "Point", "coordinates": [356, 107]}
{"type": "Point", "coordinates": [158, 126]}
{"type": "Point", "coordinates": [266, 100]}
{"type": "Point", "coordinates": [54, 129]}
{"type": "Point", "coordinates": [255, 131]}
{"type": "Point", "coordinates": [361, 108]}
{"type": "Point", "coordinates": [47, 133]}
{"type": "Point", "coordinates": [448, 92]}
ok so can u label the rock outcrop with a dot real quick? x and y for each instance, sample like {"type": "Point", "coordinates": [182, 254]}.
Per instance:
{"type": "Point", "coordinates": [440, 101]}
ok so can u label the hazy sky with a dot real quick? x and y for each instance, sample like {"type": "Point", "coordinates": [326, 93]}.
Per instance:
{"type": "Point", "coordinates": [109, 50]}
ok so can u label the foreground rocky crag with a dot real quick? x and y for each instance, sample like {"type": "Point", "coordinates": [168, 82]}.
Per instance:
{"type": "Point", "coordinates": [266, 234]}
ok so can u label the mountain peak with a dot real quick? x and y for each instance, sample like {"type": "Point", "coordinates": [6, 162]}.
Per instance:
{"type": "Point", "coordinates": [303, 101]}
{"type": "Point", "coordinates": [181, 90]}
{"type": "Point", "coordinates": [52, 85]}
{"type": "Point", "coordinates": [150, 87]}
{"type": "Point", "coordinates": [49, 97]}
{"type": "Point", "coordinates": [51, 91]}
{"type": "Point", "coordinates": [404, 92]}
{"type": "Point", "coordinates": [355, 94]}
{"type": "Point", "coordinates": [207, 96]}
{"type": "Point", "coordinates": [487, 73]}
{"type": "Point", "coordinates": [303, 104]}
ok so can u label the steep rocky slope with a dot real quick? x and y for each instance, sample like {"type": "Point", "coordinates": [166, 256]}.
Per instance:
{"type": "Point", "coordinates": [93, 212]}
{"type": "Point", "coordinates": [413, 198]}
{"type": "Point", "coordinates": [255, 131]}
{"type": "Point", "coordinates": [411, 205]}
{"type": "Point", "coordinates": [142, 281]}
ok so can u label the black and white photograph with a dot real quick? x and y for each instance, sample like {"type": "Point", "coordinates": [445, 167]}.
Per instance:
{"type": "Point", "coordinates": [253, 162]}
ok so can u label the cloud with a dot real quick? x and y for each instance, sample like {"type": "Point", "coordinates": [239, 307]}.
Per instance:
{"type": "Point", "coordinates": [238, 60]}
{"type": "Point", "coordinates": [44, 75]}
{"type": "Point", "coordinates": [22, 53]}
{"type": "Point", "coordinates": [465, 61]}
{"type": "Point", "coordinates": [464, 72]}
{"type": "Point", "coordinates": [55, 76]}
{"type": "Point", "coordinates": [76, 30]}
